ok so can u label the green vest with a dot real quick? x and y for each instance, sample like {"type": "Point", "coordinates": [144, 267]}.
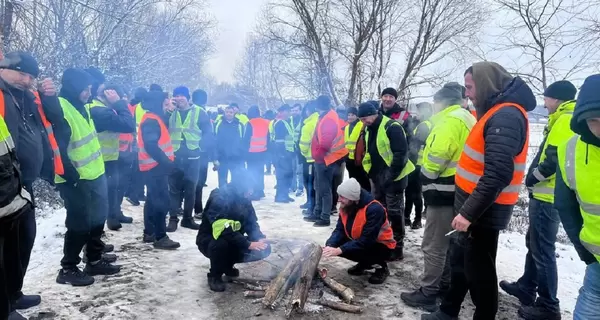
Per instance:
{"type": "Point", "coordinates": [306, 136]}
{"type": "Point", "coordinates": [558, 132]}
{"type": "Point", "coordinates": [352, 137]}
{"type": "Point", "coordinates": [580, 168]}
{"type": "Point", "coordinates": [187, 129]}
{"type": "Point", "coordinates": [84, 149]}
{"type": "Point", "coordinates": [6, 142]}
{"type": "Point", "coordinates": [427, 124]}
{"type": "Point", "coordinates": [289, 137]}
{"type": "Point", "coordinates": [383, 148]}
{"type": "Point", "coordinates": [109, 141]}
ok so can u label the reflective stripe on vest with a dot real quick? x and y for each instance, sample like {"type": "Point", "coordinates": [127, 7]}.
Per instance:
{"type": "Point", "coordinates": [351, 138]}
{"type": "Point", "coordinates": [385, 236]}
{"type": "Point", "coordinates": [145, 161]}
{"type": "Point", "coordinates": [260, 134]}
{"type": "Point", "coordinates": [289, 137]}
{"type": "Point", "coordinates": [126, 139]}
{"type": "Point", "coordinates": [471, 165]}
{"type": "Point", "coordinates": [109, 141]}
{"type": "Point", "coordinates": [580, 166]}
{"type": "Point", "coordinates": [187, 129]}
{"type": "Point", "coordinates": [84, 147]}
{"type": "Point", "coordinates": [58, 164]}
{"type": "Point", "coordinates": [384, 149]}
{"type": "Point", "coordinates": [6, 141]}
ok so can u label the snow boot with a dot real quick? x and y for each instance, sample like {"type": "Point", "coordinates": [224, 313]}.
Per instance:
{"type": "Point", "coordinates": [438, 315]}
{"type": "Point", "coordinates": [166, 244]}
{"type": "Point", "coordinates": [113, 224]}
{"type": "Point", "coordinates": [359, 269]}
{"type": "Point", "coordinates": [148, 238]}
{"type": "Point", "coordinates": [407, 222]}
{"type": "Point", "coordinates": [537, 312]}
{"type": "Point", "coordinates": [74, 277]}
{"type": "Point", "coordinates": [101, 268]}
{"type": "Point", "coordinates": [397, 254]}
{"type": "Point", "coordinates": [215, 283]}
{"type": "Point", "coordinates": [231, 274]}
{"type": "Point", "coordinates": [107, 247]}
{"type": "Point", "coordinates": [513, 289]}
{"type": "Point", "coordinates": [310, 218]}
{"type": "Point", "coordinates": [173, 222]}
{"type": "Point", "coordinates": [322, 223]}
{"type": "Point", "coordinates": [16, 316]}
{"type": "Point", "coordinates": [304, 205]}
{"type": "Point", "coordinates": [380, 275]}
{"type": "Point", "coordinates": [27, 301]}
{"type": "Point", "coordinates": [416, 225]}
{"type": "Point", "coordinates": [123, 218]}
{"type": "Point", "coordinates": [417, 299]}
{"type": "Point", "coordinates": [189, 223]}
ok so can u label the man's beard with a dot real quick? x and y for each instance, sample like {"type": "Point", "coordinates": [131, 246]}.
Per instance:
{"type": "Point", "coordinates": [351, 209]}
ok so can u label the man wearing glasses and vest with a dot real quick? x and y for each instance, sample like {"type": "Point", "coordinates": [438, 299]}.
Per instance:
{"type": "Point", "coordinates": [489, 176]}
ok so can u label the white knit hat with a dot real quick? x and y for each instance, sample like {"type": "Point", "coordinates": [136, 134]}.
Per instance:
{"type": "Point", "coordinates": [349, 189]}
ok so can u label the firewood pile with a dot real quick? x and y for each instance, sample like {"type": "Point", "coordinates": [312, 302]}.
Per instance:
{"type": "Point", "coordinates": [291, 286]}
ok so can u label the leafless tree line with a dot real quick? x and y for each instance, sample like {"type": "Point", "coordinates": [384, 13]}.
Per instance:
{"type": "Point", "coordinates": [136, 42]}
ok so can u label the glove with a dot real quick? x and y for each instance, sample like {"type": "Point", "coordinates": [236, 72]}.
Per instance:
{"type": "Point", "coordinates": [531, 180]}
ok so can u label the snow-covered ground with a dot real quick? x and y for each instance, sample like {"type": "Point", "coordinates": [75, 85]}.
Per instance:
{"type": "Point", "coordinates": [172, 285]}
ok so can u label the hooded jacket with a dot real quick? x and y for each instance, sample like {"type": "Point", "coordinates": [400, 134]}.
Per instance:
{"type": "Point", "coordinates": [505, 135]}
{"type": "Point", "coordinates": [375, 218]}
{"type": "Point", "coordinates": [153, 102]}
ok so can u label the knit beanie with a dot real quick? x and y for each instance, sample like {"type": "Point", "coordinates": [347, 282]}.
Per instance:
{"type": "Point", "coordinates": [352, 110]}
{"type": "Point", "coordinates": [366, 109]}
{"type": "Point", "coordinates": [458, 87]}
{"type": "Point", "coordinates": [350, 189]}
{"type": "Point", "coordinates": [390, 91]}
{"type": "Point", "coordinates": [323, 103]}
{"type": "Point", "coordinates": [182, 91]}
{"type": "Point", "coordinates": [20, 61]}
{"type": "Point", "coordinates": [561, 90]}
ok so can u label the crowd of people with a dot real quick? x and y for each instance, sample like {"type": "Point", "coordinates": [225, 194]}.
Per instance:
{"type": "Point", "coordinates": [461, 168]}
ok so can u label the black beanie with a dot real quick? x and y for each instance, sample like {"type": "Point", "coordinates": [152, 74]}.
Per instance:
{"type": "Point", "coordinates": [182, 91]}
{"type": "Point", "coordinates": [352, 110]}
{"type": "Point", "coordinates": [74, 81]}
{"type": "Point", "coordinates": [20, 61]}
{"type": "Point", "coordinates": [323, 103]}
{"type": "Point", "coordinates": [390, 91]}
{"type": "Point", "coordinates": [366, 109]}
{"type": "Point", "coordinates": [561, 90]}
{"type": "Point", "coordinates": [199, 97]}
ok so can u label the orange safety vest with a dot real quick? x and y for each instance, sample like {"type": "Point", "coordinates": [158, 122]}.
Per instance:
{"type": "Point", "coordinates": [126, 139]}
{"type": "Point", "coordinates": [338, 149]}
{"type": "Point", "coordinates": [58, 164]}
{"type": "Point", "coordinates": [260, 134]}
{"type": "Point", "coordinates": [386, 235]}
{"type": "Point", "coordinates": [472, 162]}
{"type": "Point", "coordinates": [146, 162]}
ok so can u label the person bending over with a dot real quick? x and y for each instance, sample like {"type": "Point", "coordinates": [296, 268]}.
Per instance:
{"type": "Point", "coordinates": [363, 233]}
{"type": "Point", "coordinates": [229, 232]}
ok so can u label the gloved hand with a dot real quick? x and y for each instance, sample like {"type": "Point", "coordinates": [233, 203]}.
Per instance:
{"type": "Point", "coordinates": [531, 180]}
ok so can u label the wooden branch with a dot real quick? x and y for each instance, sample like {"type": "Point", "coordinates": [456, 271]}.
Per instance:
{"type": "Point", "coordinates": [340, 306]}
{"type": "Point", "coordinates": [339, 289]}
{"type": "Point", "coordinates": [304, 283]}
{"type": "Point", "coordinates": [254, 294]}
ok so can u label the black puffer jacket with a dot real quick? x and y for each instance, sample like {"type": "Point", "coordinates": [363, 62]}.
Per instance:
{"type": "Point", "coordinates": [505, 135]}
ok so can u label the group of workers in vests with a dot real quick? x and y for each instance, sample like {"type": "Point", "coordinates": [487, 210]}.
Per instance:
{"type": "Point", "coordinates": [104, 147]}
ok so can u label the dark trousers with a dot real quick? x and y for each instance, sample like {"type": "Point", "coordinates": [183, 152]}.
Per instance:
{"type": "Point", "coordinates": [27, 233]}
{"type": "Point", "coordinates": [136, 187]}
{"type": "Point", "coordinates": [227, 167]}
{"type": "Point", "coordinates": [392, 197]}
{"type": "Point", "coordinates": [324, 198]}
{"type": "Point", "coordinates": [338, 178]}
{"type": "Point", "coordinates": [182, 186]}
{"type": "Point", "coordinates": [224, 255]}
{"type": "Point", "coordinates": [12, 247]}
{"type": "Point", "coordinates": [112, 181]}
{"type": "Point", "coordinates": [377, 254]}
{"type": "Point", "coordinates": [414, 195]}
{"type": "Point", "coordinates": [87, 208]}
{"type": "Point", "coordinates": [284, 173]}
{"type": "Point", "coordinates": [256, 163]}
{"type": "Point", "coordinates": [202, 176]}
{"type": "Point", "coordinates": [126, 161]}
{"type": "Point", "coordinates": [541, 274]}
{"type": "Point", "coordinates": [358, 173]}
{"type": "Point", "coordinates": [157, 204]}
{"type": "Point", "coordinates": [308, 174]}
{"type": "Point", "coordinates": [473, 265]}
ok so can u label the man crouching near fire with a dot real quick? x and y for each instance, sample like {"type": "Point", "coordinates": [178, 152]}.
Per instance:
{"type": "Point", "coordinates": [363, 233]}
{"type": "Point", "coordinates": [229, 232]}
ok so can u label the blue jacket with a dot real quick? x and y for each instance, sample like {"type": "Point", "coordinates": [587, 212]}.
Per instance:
{"type": "Point", "coordinates": [375, 219]}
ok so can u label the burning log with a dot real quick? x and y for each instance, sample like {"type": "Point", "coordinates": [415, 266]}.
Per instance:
{"type": "Point", "coordinates": [254, 294]}
{"type": "Point", "coordinates": [340, 306]}
{"type": "Point", "coordinates": [308, 268]}
{"type": "Point", "coordinates": [339, 289]}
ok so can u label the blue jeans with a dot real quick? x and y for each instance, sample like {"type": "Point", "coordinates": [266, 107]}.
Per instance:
{"type": "Point", "coordinates": [324, 196]}
{"type": "Point", "coordinates": [540, 273]}
{"type": "Point", "coordinates": [588, 302]}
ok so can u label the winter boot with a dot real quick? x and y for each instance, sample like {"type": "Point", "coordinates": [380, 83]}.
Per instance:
{"type": "Point", "coordinates": [189, 223]}
{"type": "Point", "coordinates": [133, 202]}
{"type": "Point", "coordinates": [108, 257]}
{"type": "Point", "coordinates": [513, 289]}
{"type": "Point", "coordinates": [407, 222]}
{"type": "Point", "coordinates": [123, 218]}
{"type": "Point", "coordinates": [74, 277]}
{"type": "Point", "coordinates": [101, 268]}
{"type": "Point", "coordinates": [304, 205]}
{"type": "Point", "coordinates": [380, 274]}
{"type": "Point", "coordinates": [322, 223]}
{"type": "Point", "coordinates": [231, 274]}
{"type": "Point", "coordinates": [173, 222]}
{"type": "Point", "coordinates": [359, 269]}
{"type": "Point", "coordinates": [16, 316]}
{"type": "Point", "coordinates": [537, 312]}
{"type": "Point", "coordinates": [166, 244]}
{"type": "Point", "coordinates": [397, 254]}
{"type": "Point", "coordinates": [107, 247]}
{"type": "Point", "coordinates": [417, 299]}
{"type": "Point", "coordinates": [416, 225]}
{"type": "Point", "coordinates": [438, 315]}
{"type": "Point", "coordinates": [215, 283]}
{"type": "Point", "coordinates": [27, 301]}
{"type": "Point", "coordinates": [148, 238]}
{"type": "Point", "coordinates": [113, 224]}
{"type": "Point", "coordinates": [310, 218]}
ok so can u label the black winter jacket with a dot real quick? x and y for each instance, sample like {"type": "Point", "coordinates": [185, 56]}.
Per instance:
{"type": "Point", "coordinates": [505, 135]}
{"type": "Point", "coordinates": [398, 146]}
{"type": "Point", "coordinates": [231, 145]}
{"type": "Point", "coordinates": [229, 203]}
